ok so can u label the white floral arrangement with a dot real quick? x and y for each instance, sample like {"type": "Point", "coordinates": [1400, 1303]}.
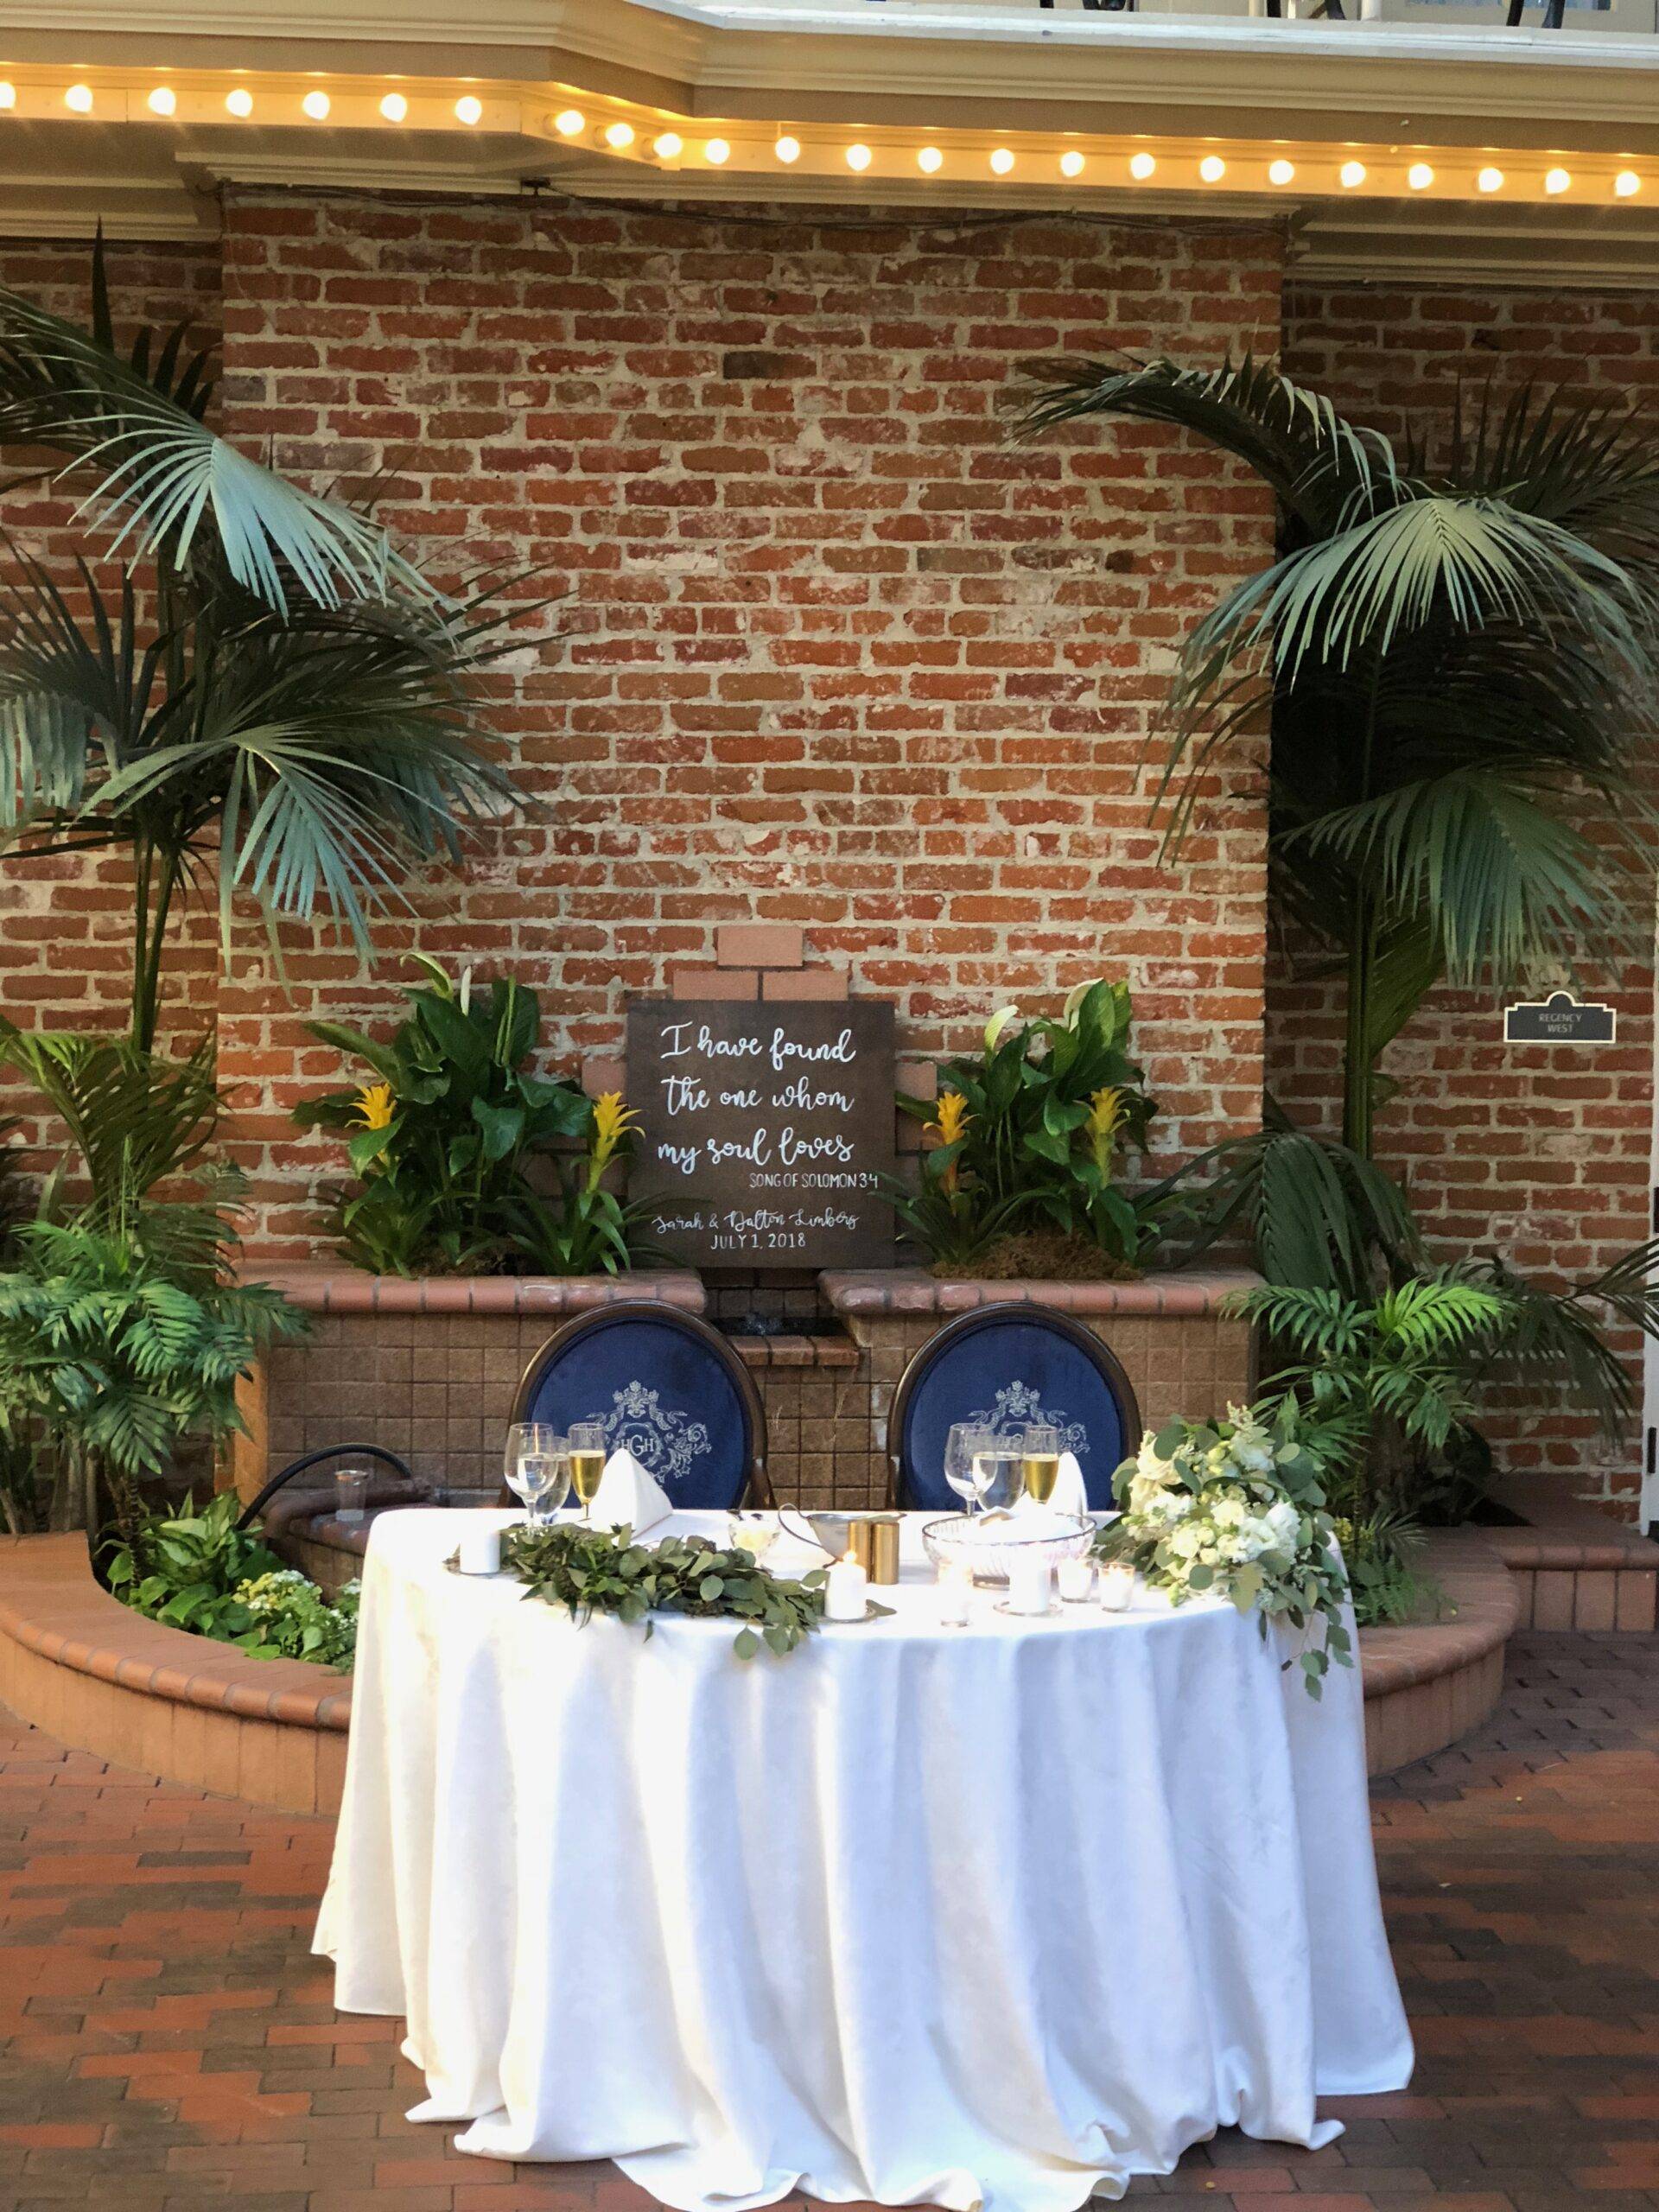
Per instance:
{"type": "Point", "coordinates": [1235, 1508]}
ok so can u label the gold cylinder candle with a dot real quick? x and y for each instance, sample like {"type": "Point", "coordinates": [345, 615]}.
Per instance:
{"type": "Point", "coordinates": [884, 1548]}
{"type": "Point", "coordinates": [860, 1541]}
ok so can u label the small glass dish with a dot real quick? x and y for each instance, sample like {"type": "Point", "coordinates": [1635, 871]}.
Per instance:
{"type": "Point", "coordinates": [984, 1543]}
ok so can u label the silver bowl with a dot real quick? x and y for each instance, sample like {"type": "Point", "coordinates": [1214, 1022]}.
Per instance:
{"type": "Point", "coordinates": [946, 1544]}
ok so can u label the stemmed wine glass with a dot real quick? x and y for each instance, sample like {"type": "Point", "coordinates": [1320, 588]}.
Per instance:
{"type": "Point", "coordinates": [962, 1461]}
{"type": "Point", "coordinates": [537, 1467]}
{"type": "Point", "coordinates": [587, 1460]}
{"type": "Point", "coordinates": [997, 1469]}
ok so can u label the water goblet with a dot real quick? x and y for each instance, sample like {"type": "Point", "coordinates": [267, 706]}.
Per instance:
{"type": "Point", "coordinates": [535, 1456]}
{"type": "Point", "coordinates": [959, 1463]}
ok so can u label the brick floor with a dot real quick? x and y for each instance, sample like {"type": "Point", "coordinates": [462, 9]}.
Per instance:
{"type": "Point", "coordinates": [169, 2042]}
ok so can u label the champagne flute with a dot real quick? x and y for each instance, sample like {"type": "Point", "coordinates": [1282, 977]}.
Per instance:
{"type": "Point", "coordinates": [535, 1456]}
{"type": "Point", "coordinates": [587, 1460]}
{"type": "Point", "coordinates": [1040, 1463]}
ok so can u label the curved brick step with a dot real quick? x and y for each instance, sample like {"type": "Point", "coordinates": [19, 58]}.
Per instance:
{"type": "Point", "coordinates": [95, 1675]}
{"type": "Point", "coordinates": [1427, 1685]}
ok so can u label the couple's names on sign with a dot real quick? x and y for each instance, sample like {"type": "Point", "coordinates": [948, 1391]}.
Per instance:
{"type": "Point", "coordinates": [765, 1130]}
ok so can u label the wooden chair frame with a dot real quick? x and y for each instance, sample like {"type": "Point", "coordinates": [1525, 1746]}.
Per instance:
{"type": "Point", "coordinates": [757, 1490]}
{"type": "Point", "coordinates": [1007, 1309]}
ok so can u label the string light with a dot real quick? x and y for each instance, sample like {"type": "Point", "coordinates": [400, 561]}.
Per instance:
{"type": "Point", "coordinates": [79, 98]}
{"type": "Point", "coordinates": [570, 122]}
{"type": "Point", "coordinates": [1141, 166]}
{"type": "Point", "coordinates": [858, 157]}
{"type": "Point", "coordinates": [1212, 169]}
{"type": "Point", "coordinates": [316, 105]}
{"type": "Point", "coordinates": [394, 107]}
{"type": "Point", "coordinates": [1558, 181]}
{"type": "Point", "coordinates": [1281, 172]}
{"type": "Point", "coordinates": [162, 101]}
{"type": "Point", "coordinates": [470, 110]}
{"type": "Point", "coordinates": [239, 101]}
{"type": "Point", "coordinates": [8, 96]}
{"type": "Point", "coordinates": [788, 150]}
{"type": "Point", "coordinates": [667, 145]}
{"type": "Point", "coordinates": [1420, 177]}
{"type": "Point", "coordinates": [1627, 184]}
{"type": "Point", "coordinates": [1002, 161]}
{"type": "Point", "coordinates": [619, 135]}
{"type": "Point", "coordinates": [1352, 175]}
{"type": "Point", "coordinates": [1072, 163]}
{"type": "Point", "coordinates": [929, 159]}
{"type": "Point", "coordinates": [1491, 180]}
{"type": "Point", "coordinates": [717, 151]}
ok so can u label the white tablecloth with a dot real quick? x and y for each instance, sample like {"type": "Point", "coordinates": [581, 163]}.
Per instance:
{"type": "Point", "coordinates": [920, 1915]}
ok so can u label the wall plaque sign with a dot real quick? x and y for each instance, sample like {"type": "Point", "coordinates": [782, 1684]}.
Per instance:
{"type": "Point", "coordinates": [1559, 1019]}
{"type": "Point", "coordinates": [764, 1130]}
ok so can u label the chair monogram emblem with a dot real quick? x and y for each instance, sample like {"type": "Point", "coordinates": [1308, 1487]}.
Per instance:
{"type": "Point", "coordinates": [661, 1438]}
{"type": "Point", "coordinates": [1020, 1406]}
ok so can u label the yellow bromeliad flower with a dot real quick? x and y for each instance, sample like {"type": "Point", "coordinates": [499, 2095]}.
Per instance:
{"type": "Point", "coordinates": [1106, 1112]}
{"type": "Point", "coordinates": [951, 1118]}
{"type": "Point", "coordinates": [611, 1122]}
{"type": "Point", "coordinates": [374, 1105]}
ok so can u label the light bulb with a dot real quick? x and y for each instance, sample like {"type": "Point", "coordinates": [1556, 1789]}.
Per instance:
{"type": "Point", "coordinates": [717, 151]}
{"type": "Point", "coordinates": [1142, 167]}
{"type": "Point", "coordinates": [394, 107]}
{"type": "Point", "coordinates": [1352, 175]}
{"type": "Point", "coordinates": [1072, 163]}
{"type": "Point", "coordinates": [788, 150]}
{"type": "Point", "coordinates": [931, 159]}
{"type": "Point", "coordinates": [858, 157]}
{"type": "Point", "coordinates": [162, 101]}
{"type": "Point", "coordinates": [80, 97]}
{"type": "Point", "coordinates": [8, 96]}
{"type": "Point", "coordinates": [667, 145]}
{"type": "Point", "coordinates": [470, 109]}
{"type": "Point", "coordinates": [1491, 180]}
{"type": "Point", "coordinates": [1212, 169]}
{"type": "Point", "coordinates": [1420, 177]}
{"type": "Point", "coordinates": [1558, 181]}
{"type": "Point", "coordinates": [1626, 184]}
{"type": "Point", "coordinates": [1281, 172]}
{"type": "Point", "coordinates": [570, 122]}
{"type": "Point", "coordinates": [316, 105]}
{"type": "Point", "coordinates": [619, 135]}
{"type": "Point", "coordinates": [1002, 161]}
{"type": "Point", "coordinates": [239, 101]}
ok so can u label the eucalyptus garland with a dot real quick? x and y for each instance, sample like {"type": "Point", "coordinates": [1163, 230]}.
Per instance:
{"type": "Point", "coordinates": [591, 1571]}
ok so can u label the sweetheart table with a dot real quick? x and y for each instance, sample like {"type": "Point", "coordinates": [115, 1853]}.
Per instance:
{"type": "Point", "coordinates": [1000, 1914]}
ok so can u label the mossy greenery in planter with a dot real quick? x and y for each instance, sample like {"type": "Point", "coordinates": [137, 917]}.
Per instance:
{"type": "Point", "coordinates": [1021, 1147]}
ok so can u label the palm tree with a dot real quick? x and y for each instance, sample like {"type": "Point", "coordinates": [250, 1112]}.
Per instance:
{"type": "Point", "coordinates": [1458, 652]}
{"type": "Point", "coordinates": [268, 693]}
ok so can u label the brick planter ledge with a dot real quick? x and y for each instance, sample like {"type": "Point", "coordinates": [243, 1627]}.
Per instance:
{"type": "Point", "coordinates": [95, 1675]}
{"type": "Point", "coordinates": [914, 1290]}
{"type": "Point", "coordinates": [319, 1287]}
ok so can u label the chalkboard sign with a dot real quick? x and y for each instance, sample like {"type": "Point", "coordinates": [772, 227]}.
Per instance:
{"type": "Point", "coordinates": [764, 1130]}
{"type": "Point", "coordinates": [1559, 1019]}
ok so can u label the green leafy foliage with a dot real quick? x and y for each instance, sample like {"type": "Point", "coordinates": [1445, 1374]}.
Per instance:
{"type": "Point", "coordinates": [134, 1118]}
{"type": "Point", "coordinates": [121, 1336]}
{"type": "Point", "coordinates": [591, 1571]}
{"type": "Point", "coordinates": [198, 1571]}
{"type": "Point", "coordinates": [1382, 1551]}
{"type": "Point", "coordinates": [1030, 1130]}
{"type": "Point", "coordinates": [1236, 1508]}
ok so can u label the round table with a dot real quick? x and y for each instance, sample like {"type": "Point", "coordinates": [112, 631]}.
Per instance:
{"type": "Point", "coordinates": [1002, 1914]}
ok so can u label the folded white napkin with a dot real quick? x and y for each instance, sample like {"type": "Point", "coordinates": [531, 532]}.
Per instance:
{"type": "Point", "coordinates": [1069, 1494]}
{"type": "Point", "coordinates": [629, 1493]}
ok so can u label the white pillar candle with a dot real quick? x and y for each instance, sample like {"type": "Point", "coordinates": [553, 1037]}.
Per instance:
{"type": "Point", "coordinates": [846, 1591]}
{"type": "Point", "coordinates": [1117, 1587]}
{"type": "Point", "coordinates": [956, 1595]}
{"type": "Point", "coordinates": [1028, 1585]}
{"type": "Point", "coordinates": [479, 1551]}
{"type": "Point", "coordinates": [1076, 1578]}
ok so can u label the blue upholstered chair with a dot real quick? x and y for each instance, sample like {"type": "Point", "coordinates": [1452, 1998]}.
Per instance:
{"type": "Point", "coordinates": [1006, 1367]}
{"type": "Point", "coordinates": [666, 1386]}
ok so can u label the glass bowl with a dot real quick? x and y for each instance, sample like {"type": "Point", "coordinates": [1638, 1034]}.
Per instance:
{"type": "Point", "coordinates": [1068, 1535]}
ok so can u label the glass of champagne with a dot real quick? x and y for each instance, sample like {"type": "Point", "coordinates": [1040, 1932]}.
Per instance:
{"type": "Point", "coordinates": [538, 1468]}
{"type": "Point", "coordinates": [1040, 1463]}
{"type": "Point", "coordinates": [587, 1460]}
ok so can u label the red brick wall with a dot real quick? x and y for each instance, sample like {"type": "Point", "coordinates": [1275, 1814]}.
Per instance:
{"type": "Point", "coordinates": [1541, 1152]}
{"type": "Point", "coordinates": [833, 653]}
{"type": "Point", "coordinates": [65, 924]}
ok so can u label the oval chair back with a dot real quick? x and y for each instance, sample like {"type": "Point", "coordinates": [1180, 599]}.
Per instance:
{"type": "Point", "coordinates": [1006, 1367]}
{"type": "Point", "coordinates": [665, 1385]}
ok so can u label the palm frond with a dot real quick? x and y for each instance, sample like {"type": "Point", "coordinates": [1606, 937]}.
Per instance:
{"type": "Point", "coordinates": [134, 1117]}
